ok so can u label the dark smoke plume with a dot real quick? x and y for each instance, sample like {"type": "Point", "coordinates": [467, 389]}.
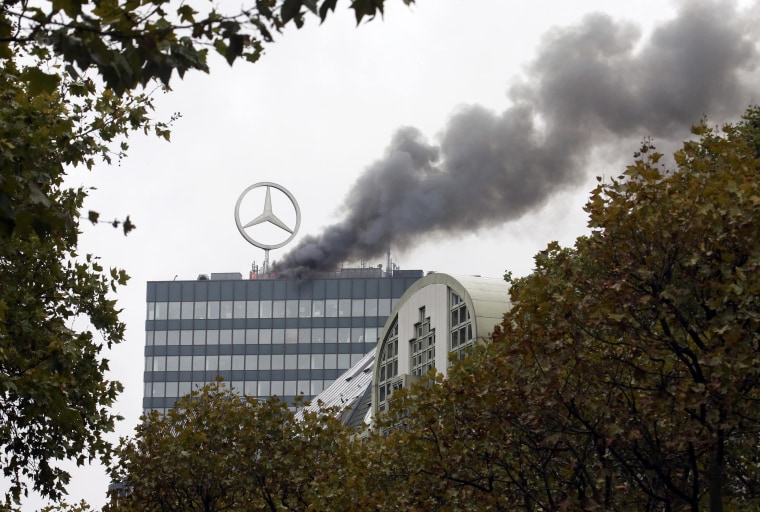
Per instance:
{"type": "Point", "coordinates": [588, 86]}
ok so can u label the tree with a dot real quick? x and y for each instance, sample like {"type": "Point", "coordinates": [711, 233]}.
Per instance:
{"type": "Point", "coordinates": [70, 72]}
{"type": "Point", "coordinates": [217, 450]}
{"type": "Point", "coordinates": [135, 42]}
{"type": "Point", "coordinates": [626, 375]}
{"type": "Point", "coordinates": [53, 391]}
{"type": "Point", "coordinates": [647, 331]}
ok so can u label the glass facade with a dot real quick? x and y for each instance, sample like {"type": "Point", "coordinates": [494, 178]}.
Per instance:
{"type": "Point", "coordinates": [461, 326]}
{"type": "Point", "coordinates": [264, 337]}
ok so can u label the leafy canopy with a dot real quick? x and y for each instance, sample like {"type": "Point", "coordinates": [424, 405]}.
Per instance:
{"type": "Point", "coordinates": [133, 42]}
{"type": "Point", "coordinates": [217, 450]}
{"type": "Point", "coordinates": [627, 374]}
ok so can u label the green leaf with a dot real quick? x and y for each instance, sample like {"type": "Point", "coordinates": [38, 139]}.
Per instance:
{"type": "Point", "coordinates": [40, 82]}
{"type": "Point", "coordinates": [291, 10]}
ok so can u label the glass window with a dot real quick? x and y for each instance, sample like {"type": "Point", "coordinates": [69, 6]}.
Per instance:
{"type": "Point", "coordinates": [355, 358]}
{"type": "Point", "coordinates": [200, 310]}
{"type": "Point", "coordinates": [238, 336]}
{"type": "Point", "coordinates": [302, 387]}
{"type": "Point", "coordinates": [225, 337]}
{"type": "Point", "coordinates": [383, 307]}
{"type": "Point", "coordinates": [290, 388]}
{"type": "Point", "coordinates": [253, 309]}
{"type": "Point", "coordinates": [159, 363]}
{"type": "Point", "coordinates": [331, 361]}
{"type": "Point", "coordinates": [186, 337]}
{"type": "Point", "coordinates": [265, 337]}
{"type": "Point", "coordinates": [213, 310]}
{"type": "Point", "coordinates": [303, 361]}
{"type": "Point", "coordinates": [172, 364]}
{"type": "Point", "coordinates": [344, 361]}
{"type": "Point", "coordinates": [317, 361]}
{"type": "Point", "coordinates": [184, 388]}
{"type": "Point", "coordinates": [148, 338]}
{"type": "Point", "coordinates": [212, 363]}
{"type": "Point", "coordinates": [263, 388]}
{"type": "Point", "coordinates": [172, 389]}
{"type": "Point", "coordinates": [278, 362]}
{"type": "Point", "coordinates": [277, 388]}
{"type": "Point", "coordinates": [185, 363]}
{"type": "Point", "coordinates": [252, 336]}
{"type": "Point", "coordinates": [199, 337]}
{"type": "Point", "coordinates": [250, 362]}
{"type": "Point", "coordinates": [304, 335]}
{"type": "Point", "coordinates": [317, 308]}
{"type": "Point", "coordinates": [331, 335]}
{"type": "Point", "coordinates": [174, 311]}
{"type": "Point", "coordinates": [238, 309]}
{"type": "Point", "coordinates": [159, 337]}
{"type": "Point", "coordinates": [225, 362]}
{"type": "Point", "coordinates": [344, 307]}
{"type": "Point", "coordinates": [250, 388]}
{"type": "Point", "coordinates": [316, 387]}
{"type": "Point", "coordinates": [291, 335]}
{"type": "Point", "coordinates": [265, 309]}
{"type": "Point", "coordinates": [357, 335]}
{"type": "Point", "coordinates": [291, 362]}
{"type": "Point", "coordinates": [149, 314]}
{"type": "Point", "coordinates": [304, 308]}
{"type": "Point", "coordinates": [265, 362]}
{"type": "Point", "coordinates": [225, 310]}
{"type": "Point", "coordinates": [199, 363]}
{"type": "Point", "coordinates": [187, 310]}
{"type": "Point", "coordinates": [172, 338]}
{"type": "Point", "coordinates": [331, 308]}
{"type": "Point", "coordinates": [161, 311]}
{"type": "Point", "coordinates": [148, 364]}
{"type": "Point", "coordinates": [278, 336]}
{"type": "Point", "coordinates": [318, 335]}
{"type": "Point", "coordinates": [291, 309]}
{"type": "Point", "coordinates": [370, 307]}
{"type": "Point", "coordinates": [159, 389]}
{"type": "Point", "coordinates": [344, 335]}
{"type": "Point", "coordinates": [370, 335]}
{"type": "Point", "coordinates": [212, 337]}
{"type": "Point", "coordinates": [278, 309]}
{"type": "Point", "coordinates": [357, 307]}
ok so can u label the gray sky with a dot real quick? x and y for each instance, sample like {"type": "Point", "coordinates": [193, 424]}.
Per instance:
{"type": "Point", "coordinates": [522, 104]}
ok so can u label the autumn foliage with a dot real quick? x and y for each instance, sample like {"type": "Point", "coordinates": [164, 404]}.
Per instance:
{"type": "Point", "coordinates": [625, 377]}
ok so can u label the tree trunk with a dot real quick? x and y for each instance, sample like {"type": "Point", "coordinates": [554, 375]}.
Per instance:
{"type": "Point", "coordinates": [715, 475]}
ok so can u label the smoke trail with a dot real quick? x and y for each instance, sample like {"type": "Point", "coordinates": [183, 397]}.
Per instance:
{"type": "Point", "coordinates": [587, 86]}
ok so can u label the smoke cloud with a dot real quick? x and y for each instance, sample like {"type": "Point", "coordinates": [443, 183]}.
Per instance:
{"type": "Point", "coordinates": [590, 84]}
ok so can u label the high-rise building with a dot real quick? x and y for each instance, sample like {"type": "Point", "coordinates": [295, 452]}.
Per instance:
{"type": "Point", "coordinates": [265, 337]}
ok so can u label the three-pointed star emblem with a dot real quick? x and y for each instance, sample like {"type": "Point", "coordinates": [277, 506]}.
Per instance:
{"type": "Point", "coordinates": [268, 215]}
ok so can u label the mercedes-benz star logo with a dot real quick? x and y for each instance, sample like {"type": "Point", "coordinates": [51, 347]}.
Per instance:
{"type": "Point", "coordinates": [268, 215]}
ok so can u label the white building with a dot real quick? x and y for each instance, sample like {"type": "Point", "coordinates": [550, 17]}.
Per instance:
{"type": "Point", "coordinates": [436, 316]}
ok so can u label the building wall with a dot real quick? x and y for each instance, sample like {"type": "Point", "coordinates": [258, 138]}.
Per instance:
{"type": "Point", "coordinates": [449, 313]}
{"type": "Point", "coordinates": [265, 337]}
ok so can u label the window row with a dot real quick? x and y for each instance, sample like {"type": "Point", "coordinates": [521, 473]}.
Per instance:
{"type": "Point", "coordinates": [304, 308]}
{"type": "Point", "coordinates": [251, 362]}
{"type": "Point", "coordinates": [263, 389]}
{"type": "Point", "coordinates": [263, 336]}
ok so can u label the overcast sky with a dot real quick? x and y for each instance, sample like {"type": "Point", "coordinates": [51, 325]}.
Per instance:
{"type": "Point", "coordinates": [514, 107]}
